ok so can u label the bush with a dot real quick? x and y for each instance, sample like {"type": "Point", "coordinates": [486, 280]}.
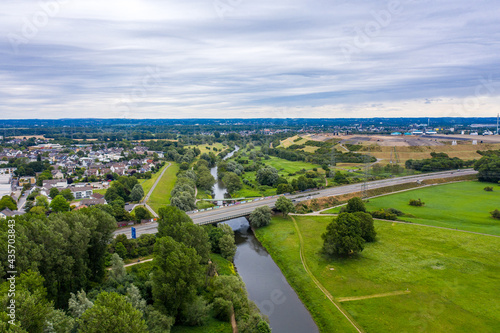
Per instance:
{"type": "Point", "coordinates": [495, 214]}
{"type": "Point", "coordinates": [416, 203]}
{"type": "Point", "coordinates": [488, 189]}
{"type": "Point", "coordinates": [395, 211]}
{"type": "Point", "coordinates": [383, 215]}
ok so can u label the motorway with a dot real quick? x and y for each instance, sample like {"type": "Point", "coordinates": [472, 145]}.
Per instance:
{"type": "Point", "coordinates": [234, 211]}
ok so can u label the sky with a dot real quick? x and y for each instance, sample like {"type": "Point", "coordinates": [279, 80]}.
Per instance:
{"type": "Point", "coordinates": [249, 58]}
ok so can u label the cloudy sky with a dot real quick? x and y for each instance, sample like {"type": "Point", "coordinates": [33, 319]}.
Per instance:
{"type": "Point", "coordinates": [249, 58]}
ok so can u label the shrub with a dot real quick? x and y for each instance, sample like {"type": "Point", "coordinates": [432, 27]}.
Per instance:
{"type": "Point", "coordinates": [488, 189]}
{"type": "Point", "coordinates": [395, 211]}
{"type": "Point", "coordinates": [495, 214]}
{"type": "Point", "coordinates": [416, 203]}
{"type": "Point", "coordinates": [383, 215]}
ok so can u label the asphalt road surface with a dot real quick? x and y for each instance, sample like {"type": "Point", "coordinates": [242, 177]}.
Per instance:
{"type": "Point", "coordinates": [229, 212]}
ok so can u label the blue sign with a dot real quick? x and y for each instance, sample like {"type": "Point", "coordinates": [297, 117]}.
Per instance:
{"type": "Point", "coordinates": [133, 233]}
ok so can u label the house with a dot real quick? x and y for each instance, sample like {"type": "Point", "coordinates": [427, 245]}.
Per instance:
{"type": "Point", "coordinates": [57, 174]}
{"type": "Point", "coordinates": [55, 183]}
{"type": "Point", "coordinates": [81, 192]}
{"type": "Point", "coordinates": [92, 202]}
{"type": "Point", "coordinates": [27, 180]}
{"type": "Point", "coordinates": [6, 213]}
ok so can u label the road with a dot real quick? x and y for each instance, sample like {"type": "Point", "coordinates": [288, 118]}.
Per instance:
{"type": "Point", "coordinates": [146, 198]}
{"type": "Point", "coordinates": [229, 212]}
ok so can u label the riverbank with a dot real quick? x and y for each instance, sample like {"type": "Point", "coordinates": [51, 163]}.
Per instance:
{"type": "Point", "coordinates": [414, 278]}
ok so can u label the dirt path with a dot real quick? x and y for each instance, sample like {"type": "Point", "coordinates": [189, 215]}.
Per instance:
{"type": "Point", "coordinates": [356, 298]}
{"type": "Point", "coordinates": [134, 263]}
{"type": "Point", "coordinates": [319, 285]}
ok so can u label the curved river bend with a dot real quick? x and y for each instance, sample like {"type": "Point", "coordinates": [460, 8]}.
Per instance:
{"type": "Point", "coordinates": [265, 283]}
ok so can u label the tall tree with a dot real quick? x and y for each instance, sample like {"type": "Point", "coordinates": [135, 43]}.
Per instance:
{"type": "Point", "coordinates": [355, 205]}
{"type": "Point", "coordinates": [343, 236]}
{"type": "Point", "coordinates": [176, 275]}
{"type": "Point", "coordinates": [59, 204]}
{"type": "Point", "coordinates": [285, 205]}
{"type": "Point", "coordinates": [137, 193]}
{"type": "Point", "coordinates": [112, 313]}
{"type": "Point", "coordinates": [261, 216]}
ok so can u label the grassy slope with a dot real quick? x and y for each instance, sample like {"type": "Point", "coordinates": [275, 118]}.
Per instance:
{"type": "Point", "coordinates": [464, 206]}
{"type": "Point", "coordinates": [161, 194]}
{"type": "Point", "coordinates": [148, 183]}
{"type": "Point", "coordinates": [451, 277]}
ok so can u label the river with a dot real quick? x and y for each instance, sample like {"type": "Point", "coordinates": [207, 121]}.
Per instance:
{"type": "Point", "coordinates": [265, 283]}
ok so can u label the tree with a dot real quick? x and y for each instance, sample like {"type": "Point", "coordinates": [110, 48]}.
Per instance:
{"type": "Point", "coordinates": [141, 213]}
{"type": "Point", "coordinates": [7, 202]}
{"type": "Point", "coordinates": [184, 201]}
{"type": "Point", "coordinates": [31, 305]}
{"type": "Point", "coordinates": [42, 201]}
{"type": "Point", "coordinates": [120, 250]}
{"type": "Point", "coordinates": [59, 204]}
{"type": "Point", "coordinates": [367, 228]}
{"type": "Point", "coordinates": [343, 236]}
{"type": "Point", "coordinates": [355, 205]}
{"type": "Point", "coordinates": [79, 303]}
{"type": "Point", "coordinates": [53, 192]}
{"type": "Point", "coordinates": [117, 272]}
{"type": "Point", "coordinates": [267, 176]}
{"type": "Point", "coordinates": [186, 232]}
{"type": "Point", "coordinates": [195, 313]}
{"type": "Point", "coordinates": [112, 313]}
{"type": "Point", "coordinates": [67, 194]}
{"type": "Point", "coordinates": [232, 182]}
{"type": "Point", "coordinates": [284, 188]}
{"type": "Point", "coordinates": [260, 217]}
{"type": "Point", "coordinates": [285, 205]}
{"type": "Point", "coordinates": [227, 247]}
{"type": "Point", "coordinates": [137, 193]}
{"type": "Point", "coordinates": [488, 168]}
{"type": "Point", "coordinates": [176, 275]}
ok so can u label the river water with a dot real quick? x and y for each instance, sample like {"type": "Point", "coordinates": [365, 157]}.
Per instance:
{"type": "Point", "coordinates": [265, 283]}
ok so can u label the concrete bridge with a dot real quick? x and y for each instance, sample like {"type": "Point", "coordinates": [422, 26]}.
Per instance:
{"type": "Point", "coordinates": [232, 211]}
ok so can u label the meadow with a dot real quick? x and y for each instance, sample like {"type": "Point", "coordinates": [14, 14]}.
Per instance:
{"type": "Point", "coordinates": [463, 206]}
{"type": "Point", "coordinates": [413, 279]}
{"type": "Point", "coordinates": [161, 194]}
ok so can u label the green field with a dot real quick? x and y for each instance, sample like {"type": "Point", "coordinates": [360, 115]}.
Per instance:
{"type": "Point", "coordinates": [463, 205]}
{"type": "Point", "coordinates": [284, 168]}
{"type": "Point", "coordinates": [148, 183]}
{"type": "Point", "coordinates": [450, 276]}
{"type": "Point", "coordinates": [209, 148]}
{"type": "Point", "coordinates": [161, 195]}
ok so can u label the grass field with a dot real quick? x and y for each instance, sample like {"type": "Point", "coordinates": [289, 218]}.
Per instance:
{"type": "Point", "coordinates": [284, 168]}
{"type": "Point", "coordinates": [463, 205]}
{"type": "Point", "coordinates": [148, 183]}
{"type": "Point", "coordinates": [209, 148]}
{"type": "Point", "coordinates": [450, 277]}
{"type": "Point", "coordinates": [161, 195]}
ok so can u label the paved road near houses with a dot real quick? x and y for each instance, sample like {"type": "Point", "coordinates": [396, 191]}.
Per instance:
{"type": "Point", "coordinates": [244, 209]}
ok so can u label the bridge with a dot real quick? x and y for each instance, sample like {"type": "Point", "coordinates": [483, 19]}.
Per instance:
{"type": "Point", "coordinates": [232, 211]}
